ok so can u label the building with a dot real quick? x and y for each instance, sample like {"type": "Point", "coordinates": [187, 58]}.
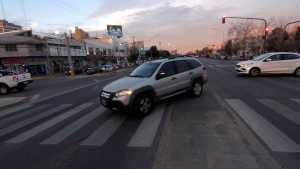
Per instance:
{"type": "Point", "coordinates": [57, 54]}
{"type": "Point", "coordinates": [99, 51]}
{"type": "Point", "coordinates": [18, 51]}
{"type": "Point", "coordinates": [80, 34]}
{"type": "Point", "coordinates": [5, 26]}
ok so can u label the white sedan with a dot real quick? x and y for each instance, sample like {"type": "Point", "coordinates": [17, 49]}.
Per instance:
{"type": "Point", "coordinates": [271, 63]}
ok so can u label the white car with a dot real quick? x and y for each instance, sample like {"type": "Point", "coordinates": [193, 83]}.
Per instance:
{"type": "Point", "coordinates": [107, 68]}
{"type": "Point", "coordinates": [9, 81]}
{"type": "Point", "coordinates": [271, 63]}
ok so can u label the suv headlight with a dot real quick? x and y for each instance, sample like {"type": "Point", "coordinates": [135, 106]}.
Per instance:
{"type": "Point", "coordinates": [124, 93]}
{"type": "Point", "coordinates": [246, 65]}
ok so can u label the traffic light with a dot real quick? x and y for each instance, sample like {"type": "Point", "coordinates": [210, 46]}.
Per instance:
{"type": "Point", "coordinates": [223, 19]}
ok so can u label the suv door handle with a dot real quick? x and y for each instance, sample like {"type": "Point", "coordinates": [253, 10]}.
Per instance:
{"type": "Point", "coordinates": [174, 78]}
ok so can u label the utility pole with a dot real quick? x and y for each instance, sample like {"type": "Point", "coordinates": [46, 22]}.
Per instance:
{"type": "Point", "coordinates": [67, 41]}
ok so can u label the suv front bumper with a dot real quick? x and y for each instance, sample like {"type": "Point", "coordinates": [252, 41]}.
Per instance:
{"type": "Point", "coordinates": [109, 101]}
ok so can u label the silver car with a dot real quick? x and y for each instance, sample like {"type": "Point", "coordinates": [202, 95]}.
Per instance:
{"type": "Point", "coordinates": [154, 81]}
{"type": "Point", "coordinates": [271, 63]}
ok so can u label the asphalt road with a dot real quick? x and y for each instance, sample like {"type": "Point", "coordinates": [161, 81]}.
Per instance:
{"type": "Point", "coordinates": [62, 126]}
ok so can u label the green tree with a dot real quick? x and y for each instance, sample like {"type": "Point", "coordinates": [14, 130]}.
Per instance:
{"type": "Point", "coordinates": [297, 39]}
{"type": "Point", "coordinates": [276, 40]}
{"type": "Point", "coordinates": [228, 48]}
{"type": "Point", "coordinates": [152, 52]}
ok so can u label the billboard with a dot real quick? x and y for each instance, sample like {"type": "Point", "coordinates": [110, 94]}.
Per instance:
{"type": "Point", "coordinates": [115, 30]}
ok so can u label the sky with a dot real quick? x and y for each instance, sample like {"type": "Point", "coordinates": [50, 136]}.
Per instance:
{"type": "Point", "coordinates": [184, 25]}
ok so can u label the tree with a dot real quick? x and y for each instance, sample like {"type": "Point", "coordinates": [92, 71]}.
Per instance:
{"type": "Point", "coordinates": [297, 39]}
{"type": "Point", "coordinates": [152, 52]}
{"type": "Point", "coordinates": [228, 48]}
{"type": "Point", "coordinates": [276, 40]}
{"type": "Point", "coordinates": [164, 54]}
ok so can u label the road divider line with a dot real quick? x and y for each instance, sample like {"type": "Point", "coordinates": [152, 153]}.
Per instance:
{"type": "Point", "coordinates": [276, 140]}
{"type": "Point", "coordinates": [9, 119]}
{"type": "Point", "coordinates": [282, 110]}
{"type": "Point", "coordinates": [146, 132]}
{"type": "Point", "coordinates": [104, 132]}
{"type": "Point", "coordinates": [73, 127]}
{"type": "Point", "coordinates": [14, 109]}
{"type": "Point", "coordinates": [50, 123]}
{"type": "Point", "coordinates": [296, 100]}
{"type": "Point", "coordinates": [19, 125]}
{"type": "Point", "coordinates": [10, 101]}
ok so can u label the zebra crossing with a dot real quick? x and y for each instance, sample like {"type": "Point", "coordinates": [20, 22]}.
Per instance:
{"type": "Point", "coordinates": [271, 135]}
{"type": "Point", "coordinates": [36, 121]}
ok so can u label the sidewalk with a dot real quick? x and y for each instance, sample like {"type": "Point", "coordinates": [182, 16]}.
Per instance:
{"type": "Point", "coordinates": [202, 134]}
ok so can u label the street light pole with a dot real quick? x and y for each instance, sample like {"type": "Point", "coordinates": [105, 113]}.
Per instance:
{"type": "Point", "coordinates": [247, 18]}
{"type": "Point", "coordinates": [288, 24]}
{"type": "Point", "coordinates": [67, 40]}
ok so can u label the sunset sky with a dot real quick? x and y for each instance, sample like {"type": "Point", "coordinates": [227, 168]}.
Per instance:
{"type": "Point", "coordinates": [180, 24]}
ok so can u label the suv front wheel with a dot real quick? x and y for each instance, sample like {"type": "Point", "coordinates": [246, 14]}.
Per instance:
{"type": "Point", "coordinates": [143, 105]}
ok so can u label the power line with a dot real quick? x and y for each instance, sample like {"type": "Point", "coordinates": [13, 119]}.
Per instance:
{"type": "Point", "coordinates": [2, 9]}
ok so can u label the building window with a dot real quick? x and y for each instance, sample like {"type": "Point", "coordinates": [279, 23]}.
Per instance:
{"type": "Point", "coordinates": [39, 47]}
{"type": "Point", "coordinates": [11, 48]}
{"type": "Point", "coordinates": [97, 51]}
{"type": "Point", "coordinates": [91, 51]}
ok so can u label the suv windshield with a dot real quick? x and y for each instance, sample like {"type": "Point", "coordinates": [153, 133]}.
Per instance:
{"type": "Point", "coordinates": [145, 70]}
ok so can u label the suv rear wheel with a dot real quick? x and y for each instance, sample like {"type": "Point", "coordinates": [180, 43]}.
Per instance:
{"type": "Point", "coordinates": [143, 105]}
{"type": "Point", "coordinates": [3, 89]}
{"type": "Point", "coordinates": [197, 88]}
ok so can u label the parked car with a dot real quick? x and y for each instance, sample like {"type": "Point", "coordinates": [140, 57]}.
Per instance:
{"type": "Point", "coordinates": [9, 80]}
{"type": "Point", "coordinates": [77, 70]}
{"type": "Point", "coordinates": [91, 70]}
{"type": "Point", "coordinates": [107, 68]}
{"type": "Point", "coordinates": [271, 63]}
{"type": "Point", "coordinates": [154, 81]}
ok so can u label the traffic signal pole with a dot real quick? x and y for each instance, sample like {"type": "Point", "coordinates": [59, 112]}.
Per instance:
{"type": "Point", "coordinates": [247, 18]}
{"type": "Point", "coordinates": [288, 24]}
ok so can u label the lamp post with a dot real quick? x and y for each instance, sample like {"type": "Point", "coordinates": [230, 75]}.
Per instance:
{"type": "Point", "coordinates": [250, 18]}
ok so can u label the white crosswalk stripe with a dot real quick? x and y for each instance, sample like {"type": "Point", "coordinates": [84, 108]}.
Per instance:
{"type": "Point", "coordinates": [38, 129]}
{"type": "Point", "coordinates": [8, 120]}
{"type": "Point", "coordinates": [282, 110]}
{"type": "Point", "coordinates": [73, 127]}
{"type": "Point", "coordinates": [145, 134]}
{"type": "Point", "coordinates": [276, 140]}
{"type": "Point", "coordinates": [14, 109]}
{"type": "Point", "coordinates": [105, 131]}
{"type": "Point", "coordinates": [31, 120]}
{"type": "Point", "coordinates": [296, 100]}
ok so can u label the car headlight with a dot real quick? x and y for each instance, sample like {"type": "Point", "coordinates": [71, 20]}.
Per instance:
{"type": "Point", "coordinates": [246, 65]}
{"type": "Point", "coordinates": [124, 93]}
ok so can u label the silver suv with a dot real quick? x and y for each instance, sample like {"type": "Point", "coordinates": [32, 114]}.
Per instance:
{"type": "Point", "coordinates": [154, 81]}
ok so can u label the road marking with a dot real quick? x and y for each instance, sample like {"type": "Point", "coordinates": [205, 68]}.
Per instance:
{"type": "Point", "coordinates": [34, 98]}
{"type": "Point", "coordinates": [34, 119]}
{"type": "Point", "coordinates": [104, 132]}
{"type": "Point", "coordinates": [14, 109]}
{"type": "Point", "coordinates": [8, 120]}
{"type": "Point", "coordinates": [36, 130]}
{"type": "Point", "coordinates": [296, 100]}
{"type": "Point", "coordinates": [73, 127]}
{"type": "Point", "coordinates": [282, 110]}
{"type": "Point", "coordinates": [71, 91]}
{"type": "Point", "coordinates": [273, 137]}
{"type": "Point", "coordinates": [10, 100]}
{"type": "Point", "coordinates": [146, 132]}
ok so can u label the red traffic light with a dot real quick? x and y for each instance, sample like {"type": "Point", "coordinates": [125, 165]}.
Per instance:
{"type": "Point", "coordinates": [223, 19]}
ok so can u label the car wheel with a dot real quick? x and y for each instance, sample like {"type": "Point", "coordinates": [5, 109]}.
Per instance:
{"type": "Point", "coordinates": [3, 89]}
{"type": "Point", "coordinates": [254, 72]}
{"type": "Point", "coordinates": [297, 72]}
{"type": "Point", "coordinates": [21, 88]}
{"type": "Point", "coordinates": [197, 88]}
{"type": "Point", "coordinates": [143, 105]}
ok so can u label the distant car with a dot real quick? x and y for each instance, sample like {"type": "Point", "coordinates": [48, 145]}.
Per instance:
{"type": "Point", "coordinates": [154, 81]}
{"type": "Point", "coordinates": [107, 68]}
{"type": "Point", "coordinates": [9, 80]}
{"type": "Point", "coordinates": [91, 70]}
{"type": "Point", "coordinates": [271, 63]}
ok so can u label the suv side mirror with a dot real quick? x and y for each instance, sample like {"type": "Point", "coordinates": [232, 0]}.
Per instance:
{"type": "Point", "coordinates": [268, 60]}
{"type": "Point", "coordinates": [161, 75]}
